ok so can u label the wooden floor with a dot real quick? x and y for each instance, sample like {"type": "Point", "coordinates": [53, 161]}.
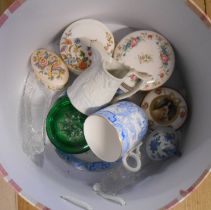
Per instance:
{"type": "Point", "coordinates": [202, 8]}
{"type": "Point", "coordinates": [200, 199]}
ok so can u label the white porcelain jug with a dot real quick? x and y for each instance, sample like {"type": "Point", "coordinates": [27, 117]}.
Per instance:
{"type": "Point", "coordinates": [96, 87]}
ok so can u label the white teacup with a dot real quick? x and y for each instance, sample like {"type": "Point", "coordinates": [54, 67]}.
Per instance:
{"type": "Point", "coordinates": [115, 131]}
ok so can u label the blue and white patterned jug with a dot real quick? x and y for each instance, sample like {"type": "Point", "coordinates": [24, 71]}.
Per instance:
{"type": "Point", "coordinates": [162, 144]}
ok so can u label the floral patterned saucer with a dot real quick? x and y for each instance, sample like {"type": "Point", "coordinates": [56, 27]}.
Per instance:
{"type": "Point", "coordinates": [165, 107]}
{"type": "Point", "coordinates": [85, 161]}
{"type": "Point", "coordinates": [74, 52]}
{"type": "Point", "coordinates": [146, 51]}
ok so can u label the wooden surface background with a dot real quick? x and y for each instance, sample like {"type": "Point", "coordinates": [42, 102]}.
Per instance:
{"type": "Point", "coordinates": [205, 5]}
{"type": "Point", "coordinates": [200, 199]}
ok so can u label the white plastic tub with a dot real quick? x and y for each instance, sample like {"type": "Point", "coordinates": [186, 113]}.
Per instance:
{"type": "Point", "coordinates": [39, 23]}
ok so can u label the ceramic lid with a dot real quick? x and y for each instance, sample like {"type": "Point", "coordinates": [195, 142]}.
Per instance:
{"type": "Point", "coordinates": [49, 69]}
{"type": "Point", "coordinates": [64, 125]}
{"type": "Point", "coordinates": [146, 51]}
{"type": "Point", "coordinates": [165, 107]}
{"type": "Point", "coordinates": [78, 56]}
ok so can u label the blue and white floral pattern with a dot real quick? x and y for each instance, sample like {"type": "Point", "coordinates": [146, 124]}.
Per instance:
{"type": "Point", "coordinates": [129, 120]}
{"type": "Point", "coordinates": [162, 144]}
{"type": "Point", "coordinates": [85, 165]}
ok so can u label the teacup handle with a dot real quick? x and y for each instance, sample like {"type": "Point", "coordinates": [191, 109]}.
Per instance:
{"type": "Point", "coordinates": [136, 155]}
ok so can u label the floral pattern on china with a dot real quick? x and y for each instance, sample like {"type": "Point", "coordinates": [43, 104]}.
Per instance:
{"type": "Point", "coordinates": [75, 51]}
{"type": "Point", "coordinates": [49, 69]}
{"type": "Point", "coordinates": [95, 164]}
{"type": "Point", "coordinates": [49, 64]}
{"type": "Point", "coordinates": [75, 54]}
{"type": "Point", "coordinates": [162, 143]}
{"type": "Point", "coordinates": [146, 51]}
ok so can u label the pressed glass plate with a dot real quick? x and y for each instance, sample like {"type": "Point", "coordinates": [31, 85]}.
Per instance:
{"type": "Point", "coordinates": [64, 126]}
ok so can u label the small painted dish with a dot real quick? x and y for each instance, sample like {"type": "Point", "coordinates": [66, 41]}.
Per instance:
{"type": "Point", "coordinates": [49, 69]}
{"type": "Point", "coordinates": [75, 53]}
{"type": "Point", "coordinates": [146, 51]}
{"type": "Point", "coordinates": [64, 126]}
{"type": "Point", "coordinates": [165, 107]}
{"type": "Point", "coordinates": [85, 161]}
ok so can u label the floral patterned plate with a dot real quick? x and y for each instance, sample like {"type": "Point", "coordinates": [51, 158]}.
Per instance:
{"type": "Point", "coordinates": [76, 54]}
{"type": "Point", "coordinates": [146, 51]}
{"type": "Point", "coordinates": [165, 107]}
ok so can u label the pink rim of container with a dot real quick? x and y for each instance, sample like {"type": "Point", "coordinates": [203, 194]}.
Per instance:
{"type": "Point", "coordinates": [4, 174]}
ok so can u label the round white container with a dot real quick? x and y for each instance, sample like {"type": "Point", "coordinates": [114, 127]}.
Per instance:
{"type": "Point", "coordinates": [38, 23]}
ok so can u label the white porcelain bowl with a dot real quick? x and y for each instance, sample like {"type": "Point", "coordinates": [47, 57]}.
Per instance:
{"type": "Point", "coordinates": [38, 23]}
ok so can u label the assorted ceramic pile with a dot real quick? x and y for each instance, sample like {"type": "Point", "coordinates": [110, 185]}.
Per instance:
{"type": "Point", "coordinates": [94, 126]}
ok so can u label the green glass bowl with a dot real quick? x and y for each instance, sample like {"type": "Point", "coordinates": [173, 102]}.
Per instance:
{"type": "Point", "coordinates": [64, 126]}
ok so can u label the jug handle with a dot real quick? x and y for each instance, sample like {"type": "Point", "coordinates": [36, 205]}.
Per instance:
{"type": "Point", "coordinates": [142, 77]}
{"type": "Point", "coordinates": [128, 94]}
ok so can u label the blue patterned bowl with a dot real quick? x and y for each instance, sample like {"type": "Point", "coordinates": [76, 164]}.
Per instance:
{"type": "Point", "coordinates": [85, 161]}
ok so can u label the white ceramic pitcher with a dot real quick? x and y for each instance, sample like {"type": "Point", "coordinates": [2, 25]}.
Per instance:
{"type": "Point", "coordinates": [96, 87]}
